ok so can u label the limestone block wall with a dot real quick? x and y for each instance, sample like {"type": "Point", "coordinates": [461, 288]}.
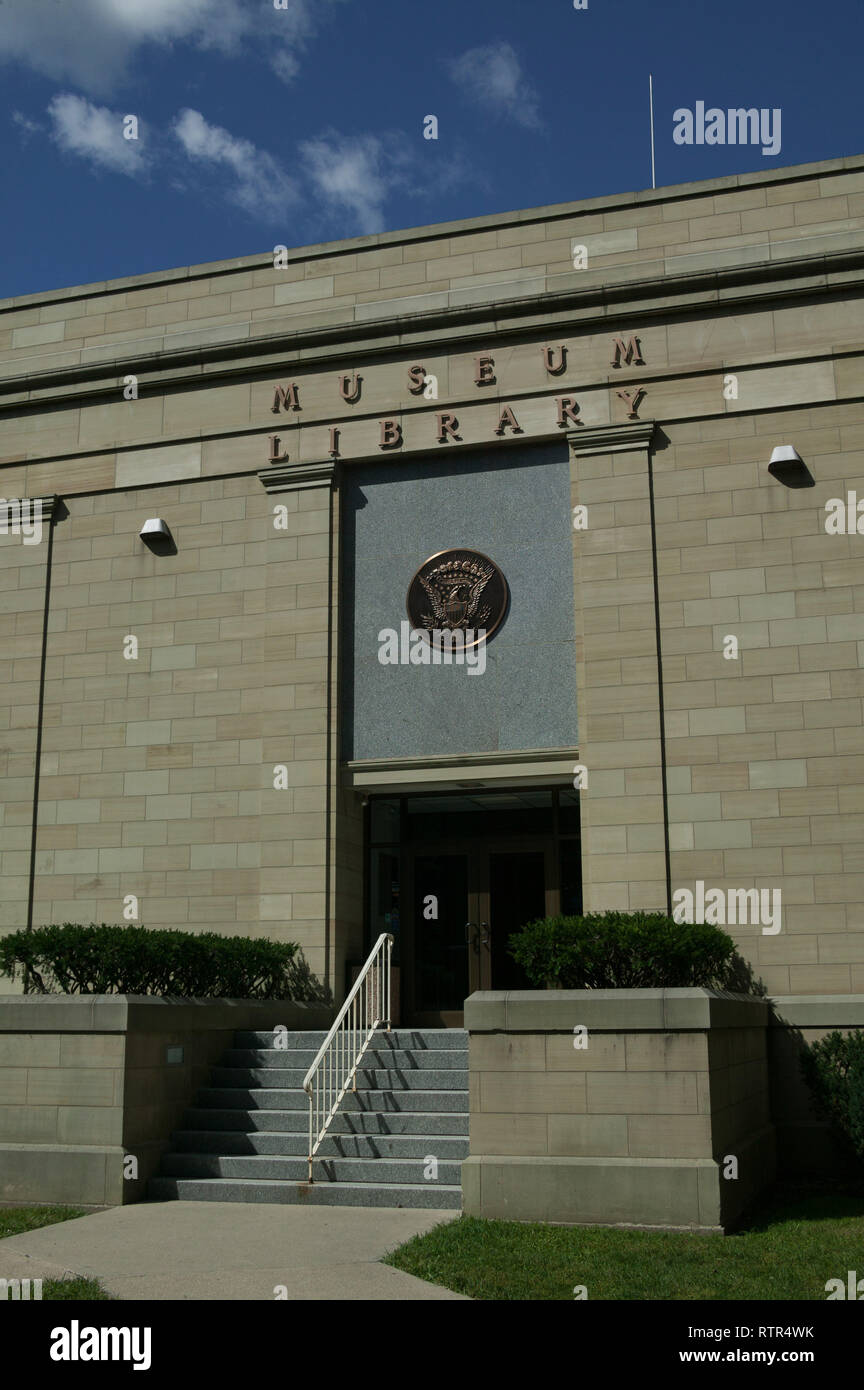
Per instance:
{"type": "Point", "coordinates": [637, 1127]}
{"type": "Point", "coordinates": [23, 577]}
{"type": "Point", "coordinates": [764, 752]}
{"type": "Point", "coordinates": [772, 215]}
{"type": "Point", "coordinates": [157, 772]}
{"type": "Point", "coordinates": [721, 683]}
{"type": "Point", "coordinates": [620, 719]}
{"type": "Point", "coordinates": [86, 1082]}
{"type": "Point", "coordinates": [190, 423]}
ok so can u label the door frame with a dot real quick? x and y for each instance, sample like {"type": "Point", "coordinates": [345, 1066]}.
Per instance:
{"type": "Point", "coordinates": [551, 890]}
{"type": "Point", "coordinates": [478, 853]}
{"type": "Point", "coordinates": [396, 843]}
{"type": "Point", "coordinates": [430, 1018]}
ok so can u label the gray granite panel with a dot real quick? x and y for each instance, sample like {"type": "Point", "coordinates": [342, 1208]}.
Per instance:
{"type": "Point", "coordinates": [512, 504]}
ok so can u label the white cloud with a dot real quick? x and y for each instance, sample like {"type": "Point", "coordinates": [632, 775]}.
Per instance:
{"type": "Point", "coordinates": [337, 180]}
{"type": "Point", "coordinates": [95, 133]}
{"type": "Point", "coordinates": [492, 76]}
{"type": "Point", "coordinates": [25, 125]}
{"type": "Point", "coordinates": [92, 42]}
{"type": "Point", "coordinates": [285, 64]}
{"type": "Point", "coordinates": [356, 173]}
{"type": "Point", "coordinates": [258, 182]}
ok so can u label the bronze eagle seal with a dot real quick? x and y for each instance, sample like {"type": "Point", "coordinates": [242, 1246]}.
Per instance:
{"type": "Point", "coordinates": [457, 590]}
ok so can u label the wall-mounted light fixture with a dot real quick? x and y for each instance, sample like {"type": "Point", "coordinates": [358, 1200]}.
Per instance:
{"type": "Point", "coordinates": [788, 467]}
{"type": "Point", "coordinates": [156, 535]}
{"type": "Point", "coordinates": [155, 527]}
{"type": "Point", "coordinates": [785, 453]}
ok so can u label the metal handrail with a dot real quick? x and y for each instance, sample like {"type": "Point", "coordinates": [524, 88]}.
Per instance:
{"type": "Point", "coordinates": [365, 1009]}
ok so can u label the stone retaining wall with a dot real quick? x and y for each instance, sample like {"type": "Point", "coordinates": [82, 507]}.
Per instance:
{"type": "Point", "coordinates": [86, 1083]}
{"type": "Point", "coordinates": [638, 1126]}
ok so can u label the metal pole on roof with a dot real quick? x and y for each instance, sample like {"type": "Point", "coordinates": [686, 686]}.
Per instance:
{"type": "Point", "coordinates": [651, 109]}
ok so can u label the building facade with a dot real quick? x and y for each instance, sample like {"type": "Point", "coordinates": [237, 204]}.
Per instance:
{"type": "Point", "coordinates": [560, 424]}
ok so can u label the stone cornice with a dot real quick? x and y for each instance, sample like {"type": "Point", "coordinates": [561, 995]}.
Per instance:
{"type": "Point", "coordinates": [603, 203]}
{"type": "Point", "coordinates": [611, 439]}
{"type": "Point", "coordinates": [446, 330]}
{"type": "Point", "coordinates": [614, 1010]}
{"type": "Point", "coordinates": [525, 768]}
{"type": "Point", "coordinates": [289, 477]}
{"type": "Point", "coordinates": [457, 760]}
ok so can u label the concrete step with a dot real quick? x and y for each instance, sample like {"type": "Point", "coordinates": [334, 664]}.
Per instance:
{"type": "Point", "coordinates": [364, 1098]}
{"type": "Point", "coordinates": [233, 1142]}
{"type": "Point", "coordinates": [247, 1121]}
{"type": "Point", "coordinates": [346, 1122]}
{"type": "Point", "coordinates": [270, 1168]}
{"type": "Point", "coordinates": [241, 1098]}
{"type": "Point", "coordinates": [245, 1138]}
{"type": "Point", "coordinates": [422, 1039]}
{"type": "Point", "coordinates": [436, 1197]}
{"type": "Point", "coordinates": [313, 1039]}
{"type": "Point", "coordinates": [398, 1079]}
{"type": "Point", "coordinates": [452, 1122]}
{"type": "Point", "coordinates": [274, 1078]}
{"type": "Point", "coordinates": [378, 1078]}
{"type": "Point", "coordinates": [404, 1059]}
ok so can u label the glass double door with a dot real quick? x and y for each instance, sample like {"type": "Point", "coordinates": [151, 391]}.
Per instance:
{"type": "Point", "coordinates": [464, 906]}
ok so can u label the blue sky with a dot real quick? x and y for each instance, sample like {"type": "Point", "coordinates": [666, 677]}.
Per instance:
{"type": "Point", "coordinates": [259, 126]}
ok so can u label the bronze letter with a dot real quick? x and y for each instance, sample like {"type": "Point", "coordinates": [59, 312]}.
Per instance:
{"type": "Point", "coordinates": [391, 434]}
{"type": "Point", "coordinates": [286, 396]}
{"type": "Point", "coordinates": [632, 398]}
{"type": "Point", "coordinates": [568, 410]}
{"type": "Point", "coordinates": [547, 360]}
{"type": "Point", "coordinates": [354, 393]}
{"type": "Point", "coordinates": [507, 420]}
{"type": "Point", "coordinates": [632, 351]}
{"type": "Point", "coordinates": [447, 424]}
{"type": "Point", "coordinates": [416, 379]}
{"type": "Point", "coordinates": [334, 441]}
{"type": "Point", "coordinates": [484, 374]}
{"type": "Point", "coordinates": [275, 456]}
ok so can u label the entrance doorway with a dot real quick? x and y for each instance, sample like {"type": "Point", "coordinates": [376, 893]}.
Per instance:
{"type": "Point", "coordinates": [478, 900]}
{"type": "Point", "coordinates": [456, 877]}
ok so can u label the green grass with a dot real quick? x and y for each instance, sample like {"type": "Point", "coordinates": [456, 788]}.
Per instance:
{"type": "Point", "coordinates": [792, 1246]}
{"type": "Point", "coordinates": [14, 1221]}
{"type": "Point", "coordinates": [71, 1290]}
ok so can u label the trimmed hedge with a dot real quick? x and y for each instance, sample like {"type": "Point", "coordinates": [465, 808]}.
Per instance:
{"type": "Point", "coordinates": [623, 950]}
{"type": "Point", "coordinates": [834, 1070]}
{"type": "Point", "coordinates": [72, 959]}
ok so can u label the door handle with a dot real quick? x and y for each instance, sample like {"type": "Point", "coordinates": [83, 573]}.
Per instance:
{"type": "Point", "coordinates": [484, 933]}
{"type": "Point", "coordinates": [472, 935]}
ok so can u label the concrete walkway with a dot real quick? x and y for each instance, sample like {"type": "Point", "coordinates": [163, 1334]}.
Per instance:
{"type": "Point", "coordinates": [231, 1250]}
